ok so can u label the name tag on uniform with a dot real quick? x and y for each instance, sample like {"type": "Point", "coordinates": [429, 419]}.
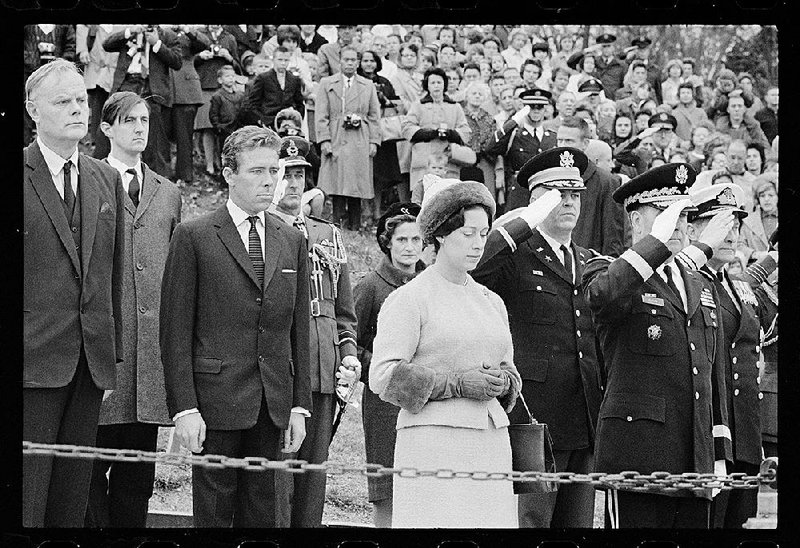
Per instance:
{"type": "Point", "coordinates": [538, 273]}
{"type": "Point", "coordinates": [707, 298]}
{"type": "Point", "coordinates": [288, 271]}
{"type": "Point", "coordinates": [652, 299]}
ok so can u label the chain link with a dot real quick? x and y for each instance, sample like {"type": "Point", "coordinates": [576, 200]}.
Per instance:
{"type": "Point", "coordinates": [627, 480]}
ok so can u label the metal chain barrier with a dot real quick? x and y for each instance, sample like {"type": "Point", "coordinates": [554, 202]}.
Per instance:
{"type": "Point", "coordinates": [629, 481]}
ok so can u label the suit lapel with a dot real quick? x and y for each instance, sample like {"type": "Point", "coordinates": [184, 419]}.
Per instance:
{"type": "Point", "coordinates": [90, 206]}
{"type": "Point", "coordinates": [356, 88]}
{"type": "Point", "coordinates": [663, 289]}
{"type": "Point", "coordinates": [129, 207]}
{"type": "Point", "coordinates": [542, 250]}
{"type": "Point", "coordinates": [227, 232]}
{"type": "Point", "coordinates": [271, 246]}
{"type": "Point", "coordinates": [336, 86]}
{"type": "Point", "coordinates": [149, 188]}
{"type": "Point", "coordinates": [42, 182]}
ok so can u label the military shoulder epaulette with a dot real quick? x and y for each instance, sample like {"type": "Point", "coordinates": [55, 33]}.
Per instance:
{"type": "Point", "coordinates": [745, 292]}
{"type": "Point", "coordinates": [320, 220]}
{"type": "Point", "coordinates": [597, 257]}
{"type": "Point", "coordinates": [706, 273]}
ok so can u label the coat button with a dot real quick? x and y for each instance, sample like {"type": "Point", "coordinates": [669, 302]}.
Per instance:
{"type": "Point", "coordinates": [733, 345]}
{"type": "Point", "coordinates": [760, 396]}
{"type": "Point", "coordinates": [691, 345]}
{"type": "Point", "coordinates": [538, 288]}
{"type": "Point", "coordinates": [578, 333]}
{"type": "Point", "coordinates": [653, 312]}
{"type": "Point", "coordinates": [577, 312]}
{"type": "Point", "coordinates": [736, 392]}
{"type": "Point", "coordinates": [575, 292]}
{"type": "Point", "coordinates": [258, 300]}
{"type": "Point", "coordinates": [580, 355]}
{"type": "Point", "coordinates": [139, 266]}
{"type": "Point", "coordinates": [261, 358]}
{"type": "Point", "coordinates": [758, 380]}
{"type": "Point", "coordinates": [629, 418]}
{"type": "Point", "coordinates": [74, 229]}
{"type": "Point", "coordinates": [83, 310]}
{"type": "Point", "coordinates": [142, 309]}
{"type": "Point", "coordinates": [758, 349]}
{"type": "Point", "coordinates": [734, 360]}
{"type": "Point", "coordinates": [736, 376]}
{"type": "Point", "coordinates": [694, 370]}
{"type": "Point", "coordinates": [689, 323]}
{"type": "Point", "coordinates": [697, 395]}
{"type": "Point", "coordinates": [261, 329]}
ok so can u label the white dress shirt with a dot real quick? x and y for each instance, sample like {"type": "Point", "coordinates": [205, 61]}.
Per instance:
{"type": "Point", "coordinates": [676, 277]}
{"type": "Point", "coordinates": [55, 164]}
{"type": "Point", "coordinates": [127, 177]}
{"type": "Point", "coordinates": [556, 246]}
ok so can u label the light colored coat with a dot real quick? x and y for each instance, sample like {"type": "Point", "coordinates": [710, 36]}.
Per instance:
{"type": "Point", "coordinates": [102, 64]}
{"type": "Point", "coordinates": [429, 115]}
{"type": "Point", "coordinates": [140, 395]}
{"type": "Point", "coordinates": [348, 170]}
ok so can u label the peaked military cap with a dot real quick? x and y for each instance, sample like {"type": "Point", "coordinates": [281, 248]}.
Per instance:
{"type": "Point", "coordinates": [397, 208]}
{"type": "Point", "coordinates": [641, 42]}
{"type": "Point", "coordinates": [540, 46]}
{"type": "Point", "coordinates": [574, 59]}
{"type": "Point", "coordinates": [658, 187]}
{"type": "Point", "coordinates": [294, 151]}
{"type": "Point", "coordinates": [715, 198]}
{"type": "Point", "coordinates": [606, 39]}
{"type": "Point", "coordinates": [535, 96]}
{"type": "Point", "coordinates": [592, 85]}
{"type": "Point", "coordinates": [663, 119]}
{"type": "Point", "coordinates": [559, 168]}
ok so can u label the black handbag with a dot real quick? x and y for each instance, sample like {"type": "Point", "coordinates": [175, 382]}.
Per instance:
{"type": "Point", "coordinates": [532, 451]}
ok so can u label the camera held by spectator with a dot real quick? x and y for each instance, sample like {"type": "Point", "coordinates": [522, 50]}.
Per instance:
{"type": "Point", "coordinates": [351, 121]}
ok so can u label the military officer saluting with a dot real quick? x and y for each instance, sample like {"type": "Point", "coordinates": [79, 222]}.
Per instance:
{"type": "Point", "coordinates": [658, 325]}
{"type": "Point", "coordinates": [332, 337]}
{"type": "Point", "coordinates": [739, 312]}
{"type": "Point", "coordinates": [536, 268]}
{"type": "Point", "coordinates": [521, 138]}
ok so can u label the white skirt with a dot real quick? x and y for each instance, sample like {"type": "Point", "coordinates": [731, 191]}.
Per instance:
{"type": "Point", "coordinates": [458, 502]}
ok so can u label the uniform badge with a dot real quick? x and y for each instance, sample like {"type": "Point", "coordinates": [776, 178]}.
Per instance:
{"type": "Point", "coordinates": [539, 249]}
{"type": "Point", "coordinates": [652, 299]}
{"type": "Point", "coordinates": [726, 197]}
{"type": "Point", "coordinates": [654, 332]}
{"type": "Point", "coordinates": [538, 273]}
{"type": "Point", "coordinates": [681, 175]}
{"type": "Point", "coordinates": [567, 159]}
{"type": "Point", "coordinates": [746, 294]}
{"type": "Point", "coordinates": [292, 149]}
{"type": "Point", "coordinates": [707, 298]}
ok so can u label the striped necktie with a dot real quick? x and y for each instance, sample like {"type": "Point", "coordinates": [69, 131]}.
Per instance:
{"type": "Point", "coordinates": [254, 250]}
{"type": "Point", "coordinates": [69, 194]}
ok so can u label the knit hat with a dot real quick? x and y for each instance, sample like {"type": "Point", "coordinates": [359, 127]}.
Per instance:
{"type": "Point", "coordinates": [443, 203]}
{"type": "Point", "coordinates": [397, 208]}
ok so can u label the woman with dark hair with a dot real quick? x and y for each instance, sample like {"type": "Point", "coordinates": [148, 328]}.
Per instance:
{"type": "Point", "coordinates": [585, 63]}
{"type": "Point", "coordinates": [432, 124]}
{"type": "Point", "coordinates": [409, 89]}
{"type": "Point", "coordinates": [401, 243]}
{"type": "Point", "coordinates": [760, 224]}
{"type": "Point", "coordinates": [386, 168]}
{"type": "Point", "coordinates": [443, 354]}
{"type": "Point", "coordinates": [755, 159]}
{"type": "Point", "coordinates": [288, 36]}
{"type": "Point", "coordinates": [622, 130]}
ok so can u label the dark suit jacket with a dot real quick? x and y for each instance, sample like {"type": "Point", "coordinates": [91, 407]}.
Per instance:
{"type": "Point", "coordinates": [224, 340]}
{"type": "Point", "coordinates": [601, 224]}
{"type": "Point", "coordinates": [664, 405]}
{"type": "Point", "coordinates": [266, 98]}
{"type": "Point", "coordinates": [140, 396]}
{"type": "Point", "coordinates": [186, 89]}
{"type": "Point", "coordinates": [246, 41]}
{"type": "Point", "coordinates": [71, 302]}
{"type": "Point", "coordinates": [168, 57]}
{"type": "Point", "coordinates": [62, 37]}
{"type": "Point", "coordinates": [554, 348]}
{"type": "Point", "coordinates": [316, 42]}
{"type": "Point", "coordinates": [207, 68]}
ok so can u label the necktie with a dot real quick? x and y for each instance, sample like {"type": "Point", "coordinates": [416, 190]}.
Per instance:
{"type": "Point", "coordinates": [728, 290]}
{"type": "Point", "coordinates": [300, 224]}
{"type": "Point", "coordinates": [145, 60]}
{"type": "Point", "coordinates": [254, 250]}
{"type": "Point", "coordinates": [134, 187]}
{"type": "Point", "coordinates": [69, 194]}
{"type": "Point", "coordinates": [567, 261]}
{"type": "Point", "coordinates": [671, 283]}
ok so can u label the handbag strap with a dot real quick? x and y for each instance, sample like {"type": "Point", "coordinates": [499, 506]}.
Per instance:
{"type": "Point", "coordinates": [527, 410]}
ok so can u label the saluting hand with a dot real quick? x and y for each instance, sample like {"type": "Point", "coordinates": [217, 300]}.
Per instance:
{"type": "Point", "coordinates": [717, 229]}
{"type": "Point", "coordinates": [664, 225]}
{"type": "Point", "coordinates": [519, 116]}
{"type": "Point", "coordinates": [538, 210]}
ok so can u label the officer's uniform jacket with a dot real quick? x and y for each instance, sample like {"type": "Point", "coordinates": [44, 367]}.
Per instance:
{"type": "Point", "coordinates": [552, 331]}
{"type": "Point", "coordinates": [517, 145]}
{"type": "Point", "coordinates": [333, 316]}
{"type": "Point", "coordinates": [662, 409]}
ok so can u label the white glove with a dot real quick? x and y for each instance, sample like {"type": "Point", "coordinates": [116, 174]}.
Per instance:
{"type": "Point", "coordinates": [717, 229]}
{"type": "Point", "coordinates": [665, 223]}
{"type": "Point", "coordinates": [538, 210]}
{"type": "Point", "coordinates": [280, 186]}
{"type": "Point", "coordinates": [519, 117]}
{"type": "Point", "coordinates": [719, 470]}
{"type": "Point", "coordinates": [350, 370]}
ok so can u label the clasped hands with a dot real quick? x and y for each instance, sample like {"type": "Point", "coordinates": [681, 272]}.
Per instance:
{"type": "Point", "coordinates": [480, 383]}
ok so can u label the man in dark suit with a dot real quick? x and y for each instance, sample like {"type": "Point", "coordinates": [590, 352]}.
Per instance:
{"type": "Point", "coordinates": [248, 37]}
{"type": "Point", "coordinates": [73, 264]}
{"type": "Point", "coordinates": [739, 313]}
{"type": "Point", "coordinates": [146, 53]}
{"type": "Point", "coordinates": [131, 414]}
{"type": "Point", "coordinates": [601, 224]}
{"type": "Point", "coordinates": [332, 335]}
{"type": "Point", "coordinates": [664, 405]}
{"type": "Point", "coordinates": [273, 91]}
{"type": "Point", "coordinates": [521, 138]}
{"type": "Point", "coordinates": [310, 39]}
{"type": "Point", "coordinates": [187, 96]}
{"type": "Point", "coordinates": [234, 336]}
{"type": "Point", "coordinates": [536, 269]}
